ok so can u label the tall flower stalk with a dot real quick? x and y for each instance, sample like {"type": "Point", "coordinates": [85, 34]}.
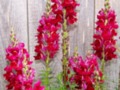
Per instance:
{"type": "Point", "coordinates": [18, 72]}
{"type": "Point", "coordinates": [65, 10]}
{"type": "Point", "coordinates": [65, 46]}
{"type": "Point", "coordinates": [104, 37]}
{"type": "Point", "coordinates": [47, 37]}
{"type": "Point", "coordinates": [48, 42]}
{"type": "Point", "coordinates": [69, 8]}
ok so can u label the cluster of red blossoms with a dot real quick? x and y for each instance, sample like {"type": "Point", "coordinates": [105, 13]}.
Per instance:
{"type": "Point", "coordinates": [104, 37]}
{"type": "Point", "coordinates": [69, 6]}
{"type": "Point", "coordinates": [48, 36]}
{"type": "Point", "coordinates": [86, 72]}
{"type": "Point", "coordinates": [18, 72]}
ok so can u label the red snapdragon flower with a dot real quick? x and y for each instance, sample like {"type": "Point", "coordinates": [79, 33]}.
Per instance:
{"type": "Point", "coordinates": [104, 37]}
{"type": "Point", "coordinates": [85, 72]}
{"type": "Point", "coordinates": [69, 6]}
{"type": "Point", "coordinates": [48, 37]}
{"type": "Point", "coordinates": [18, 72]}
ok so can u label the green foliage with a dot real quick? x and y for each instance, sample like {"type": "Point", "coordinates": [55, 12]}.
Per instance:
{"type": "Point", "coordinates": [61, 85]}
{"type": "Point", "coordinates": [46, 78]}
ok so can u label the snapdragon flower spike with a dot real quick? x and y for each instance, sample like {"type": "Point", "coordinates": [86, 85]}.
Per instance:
{"type": "Point", "coordinates": [69, 6]}
{"type": "Point", "coordinates": [18, 72]}
{"type": "Point", "coordinates": [105, 32]}
{"type": "Point", "coordinates": [86, 72]}
{"type": "Point", "coordinates": [47, 37]}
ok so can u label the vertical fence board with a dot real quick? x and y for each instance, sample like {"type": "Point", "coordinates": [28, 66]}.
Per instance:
{"type": "Point", "coordinates": [82, 34]}
{"type": "Point", "coordinates": [77, 36]}
{"type": "Point", "coordinates": [90, 25]}
{"type": "Point", "coordinates": [4, 38]}
{"type": "Point", "coordinates": [16, 10]}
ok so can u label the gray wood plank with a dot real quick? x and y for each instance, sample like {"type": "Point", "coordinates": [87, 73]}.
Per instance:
{"type": "Point", "coordinates": [82, 34]}
{"type": "Point", "coordinates": [77, 31]}
{"type": "Point", "coordinates": [4, 38]}
{"type": "Point", "coordinates": [90, 25]}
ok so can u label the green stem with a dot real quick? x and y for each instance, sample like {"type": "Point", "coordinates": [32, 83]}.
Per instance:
{"type": "Point", "coordinates": [12, 37]}
{"type": "Point", "coordinates": [65, 48]}
{"type": "Point", "coordinates": [103, 70]}
{"type": "Point", "coordinates": [48, 7]}
{"type": "Point", "coordinates": [47, 72]}
{"type": "Point", "coordinates": [47, 84]}
{"type": "Point", "coordinates": [103, 65]}
{"type": "Point", "coordinates": [107, 5]}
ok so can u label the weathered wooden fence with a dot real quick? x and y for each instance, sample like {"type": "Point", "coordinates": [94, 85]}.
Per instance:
{"type": "Point", "coordinates": [24, 16]}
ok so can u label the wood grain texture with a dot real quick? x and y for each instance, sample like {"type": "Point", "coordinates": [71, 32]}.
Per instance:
{"type": "Point", "coordinates": [17, 13]}
{"type": "Point", "coordinates": [81, 35]}
{"type": "Point", "coordinates": [4, 39]}
{"type": "Point", "coordinates": [90, 25]}
{"type": "Point", "coordinates": [76, 32]}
